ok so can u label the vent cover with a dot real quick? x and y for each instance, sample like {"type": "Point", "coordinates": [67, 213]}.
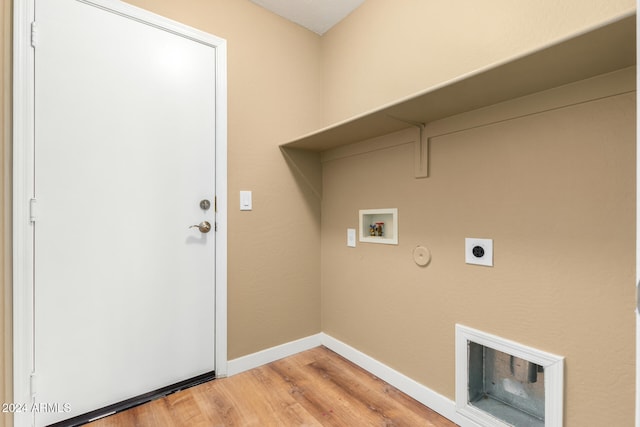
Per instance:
{"type": "Point", "coordinates": [503, 383]}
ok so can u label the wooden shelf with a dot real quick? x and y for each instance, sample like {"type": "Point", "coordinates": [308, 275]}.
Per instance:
{"type": "Point", "coordinates": [605, 49]}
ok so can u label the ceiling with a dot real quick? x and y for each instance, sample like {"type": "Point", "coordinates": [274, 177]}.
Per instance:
{"type": "Point", "coordinates": [316, 15]}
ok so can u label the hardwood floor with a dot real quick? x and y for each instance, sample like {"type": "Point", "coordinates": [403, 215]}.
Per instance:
{"type": "Point", "coordinates": [313, 388]}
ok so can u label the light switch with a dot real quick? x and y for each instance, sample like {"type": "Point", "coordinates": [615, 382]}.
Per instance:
{"type": "Point", "coordinates": [351, 237]}
{"type": "Point", "coordinates": [246, 203]}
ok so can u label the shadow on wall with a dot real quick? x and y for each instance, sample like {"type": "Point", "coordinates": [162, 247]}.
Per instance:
{"type": "Point", "coordinates": [307, 171]}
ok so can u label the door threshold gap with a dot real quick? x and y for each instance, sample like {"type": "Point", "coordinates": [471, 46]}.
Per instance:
{"type": "Point", "coordinates": [131, 403]}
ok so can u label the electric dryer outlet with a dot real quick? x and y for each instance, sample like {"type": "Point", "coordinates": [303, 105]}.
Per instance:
{"type": "Point", "coordinates": [478, 251]}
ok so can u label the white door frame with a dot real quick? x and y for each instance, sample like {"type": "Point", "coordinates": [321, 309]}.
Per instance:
{"type": "Point", "coordinates": [23, 185]}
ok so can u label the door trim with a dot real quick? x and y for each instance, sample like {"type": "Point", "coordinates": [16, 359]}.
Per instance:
{"type": "Point", "coordinates": [23, 187]}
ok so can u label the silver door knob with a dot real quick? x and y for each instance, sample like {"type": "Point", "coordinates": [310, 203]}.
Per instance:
{"type": "Point", "coordinates": [204, 226]}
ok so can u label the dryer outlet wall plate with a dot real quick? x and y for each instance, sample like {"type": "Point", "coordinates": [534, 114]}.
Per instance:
{"type": "Point", "coordinates": [478, 251]}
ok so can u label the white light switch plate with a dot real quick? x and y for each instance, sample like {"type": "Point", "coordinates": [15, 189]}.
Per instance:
{"type": "Point", "coordinates": [351, 237]}
{"type": "Point", "coordinates": [478, 251]}
{"type": "Point", "coordinates": [246, 204]}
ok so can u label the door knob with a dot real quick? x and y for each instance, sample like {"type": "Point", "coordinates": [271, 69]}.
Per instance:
{"type": "Point", "coordinates": [204, 226]}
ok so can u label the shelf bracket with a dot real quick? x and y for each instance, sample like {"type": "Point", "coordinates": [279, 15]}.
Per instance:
{"type": "Point", "coordinates": [421, 149]}
{"type": "Point", "coordinates": [421, 155]}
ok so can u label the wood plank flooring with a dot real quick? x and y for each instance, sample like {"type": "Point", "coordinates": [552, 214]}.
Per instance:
{"type": "Point", "coordinates": [313, 388]}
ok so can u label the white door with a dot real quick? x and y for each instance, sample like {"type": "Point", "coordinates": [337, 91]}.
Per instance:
{"type": "Point", "coordinates": [124, 154]}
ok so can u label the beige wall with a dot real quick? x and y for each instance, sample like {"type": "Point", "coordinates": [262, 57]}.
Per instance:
{"type": "Point", "coordinates": [285, 81]}
{"type": "Point", "coordinates": [564, 181]}
{"type": "Point", "coordinates": [555, 189]}
{"type": "Point", "coordinates": [386, 50]}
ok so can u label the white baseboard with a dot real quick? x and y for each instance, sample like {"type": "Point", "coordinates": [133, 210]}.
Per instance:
{"type": "Point", "coordinates": [439, 403]}
{"type": "Point", "coordinates": [272, 354]}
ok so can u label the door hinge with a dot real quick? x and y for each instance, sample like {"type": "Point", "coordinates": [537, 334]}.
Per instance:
{"type": "Point", "coordinates": [32, 210]}
{"type": "Point", "coordinates": [215, 204]}
{"type": "Point", "coordinates": [32, 384]}
{"type": "Point", "coordinates": [34, 34]}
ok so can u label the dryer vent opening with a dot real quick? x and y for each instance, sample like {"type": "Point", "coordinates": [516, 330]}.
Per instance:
{"type": "Point", "coordinates": [502, 383]}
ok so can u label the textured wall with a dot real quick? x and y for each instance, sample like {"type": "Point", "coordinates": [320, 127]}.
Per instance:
{"type": "Point", "coordinates": [555, 190]}
{"type": "Point", "coordinates": [285, 81]}
{"type": "Point", "coordinates": [387, 50]}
